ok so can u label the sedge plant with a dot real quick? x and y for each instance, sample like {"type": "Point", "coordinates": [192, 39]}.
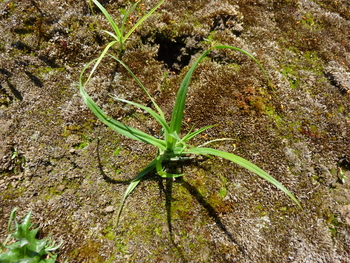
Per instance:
{"type": "Point", "coordinates": [171, 146]}
{"type": "Point", "coordinates": [120, 34]}
{"type": "Point", "coordinates": [27, 248]}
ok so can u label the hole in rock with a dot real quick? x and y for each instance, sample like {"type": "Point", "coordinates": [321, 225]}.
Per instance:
{"type": "Point", "coordinates": [344, 162]}
{"type": "Point", "coordinates": [174, 53]}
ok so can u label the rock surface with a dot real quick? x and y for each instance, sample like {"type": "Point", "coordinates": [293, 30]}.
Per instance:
{"type": "Point", "coordinates": [59, 161]}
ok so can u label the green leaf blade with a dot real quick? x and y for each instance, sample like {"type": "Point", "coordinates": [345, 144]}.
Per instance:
{"type": "Point", "coordinates": [126, 16]}
{"type": "Point", "coordinates": [134, 182]}
{"type": "Point", "coordinates": [246, 164]}
{"type": "Point", "coordinates": [179, 106]}
{"type": "Point", "coordinates": [111, 21]}
{"type": "Point", "coordinates": [249, 55]}
{"type": "Point", "coordinates": [160, 120]}
{"type": "Point", "coordinates": [118, 126]}
{"type": "Point", "coordinates": [191, 135]}
{"type": "Point", "coordinates": [142, 19]}
{"type": "Point", "coordinates": [98, 61]}
{"type": "Point", "coordinates": [160, 112]}
{"type": "Point", "coordinates": [178, 110]}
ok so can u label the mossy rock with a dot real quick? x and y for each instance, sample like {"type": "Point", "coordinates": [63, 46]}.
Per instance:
{"type": "Point", "coordinates": [69, 168]}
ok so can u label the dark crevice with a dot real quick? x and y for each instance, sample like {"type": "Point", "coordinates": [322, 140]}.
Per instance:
{"type": "Point", "coordinates": [344, 162]}
{"type": "Point", "coordinates": [173, 52]}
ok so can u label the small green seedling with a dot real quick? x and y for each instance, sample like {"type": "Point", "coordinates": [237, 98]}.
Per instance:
{"type": "Point", "coordinates": [27, 248]}
{"type": "Point", "coordinates": [119, 35]}
{"type": "Point", "coordinates": [171, 146]}
{"type": "Point", "coordinates": [14, 154]}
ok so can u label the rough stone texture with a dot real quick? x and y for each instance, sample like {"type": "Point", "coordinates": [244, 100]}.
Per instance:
{"type": "Point", "coordinates": [338, 76]}
{"type": "Point", "coordinates": [59, 161]}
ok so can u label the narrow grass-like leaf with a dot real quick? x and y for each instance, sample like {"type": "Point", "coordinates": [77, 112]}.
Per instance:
{"type": "Point", "coordinates": [12, 218]}
{"type": "Point", "coordinates": [178, 111]}
{"type": "Point", "coordinates": [119, 31]}
{"type": "Point", "coordinates": [246, 164]}
{"type": "Point", "coordinates": [126, 16]}
{"type": "Point", "coordinates": [142, 19]}
{"type": "Point", "coordinates": [51, 246]}
{"type": "Point", "coordinates": [179, 141]}
{"type": "Point", "coordinates": [111, 21]}
{"type": "Point", "coordinates": [179, 106]}
{"type": "Point", "coordinates": [160, 112]}
{"type": "Point", "coordinates": [161, 120]}
{"type": "Point", "coordinates": [249, 55]}
{"type": "Point", "coordinates": [172, 147]}
{"type": "Point", "coordinates": [111, 34]}
{"type": "Point", "coordinates": [191, 135]}
{"type": "Point", "coordinates": [118, 126]}
{"type": "Point", "coordinates": [134, 182]}
{"type": "Point", "coordinates": [91, 8]}
{"type": "Point", "coordinates": [98, 61]}
{"type": "Point", "coordinates": [215, 140]}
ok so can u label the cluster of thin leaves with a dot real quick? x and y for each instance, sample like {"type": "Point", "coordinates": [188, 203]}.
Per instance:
{"type": "Point", "coordinates": [27, 248]}
{"type": "Point", "coordinates": [171, 146]}
{"type": "Point", "coordinates": [119, 34]}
